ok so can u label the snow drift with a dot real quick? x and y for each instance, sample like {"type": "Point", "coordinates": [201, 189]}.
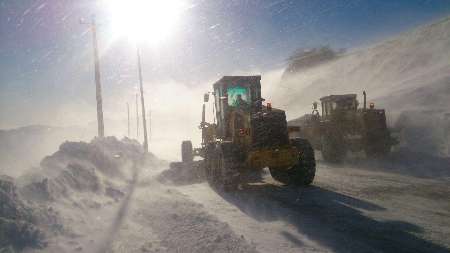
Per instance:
{"type": "Point", "coordinates": [84, 167]}
{"type": "Point", "coordinates": [26, 213]}
{"type": "Point", "coordinates": [17, 220]}
{"type": "Point", "coordinates": [105, 196]}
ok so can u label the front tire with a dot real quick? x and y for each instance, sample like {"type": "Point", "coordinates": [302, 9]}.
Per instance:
{"type": "Point", "coordinates": [223, 167]}
{"type": "Point", "coordinates": [304, 171]}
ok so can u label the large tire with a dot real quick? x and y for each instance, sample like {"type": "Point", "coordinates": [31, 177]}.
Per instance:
{"type": "Point", "coordinates": [304, 171]}
{"type": "Point", "coordinates": [210, 163]}
{"type": "Point", "coordinates": [224, 171]}
{"type": "Point", "coordinates": [333, 148]}
{"type": "Point", "coordinates": [187, 154]}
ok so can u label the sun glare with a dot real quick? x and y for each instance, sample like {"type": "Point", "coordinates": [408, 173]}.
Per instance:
{"type": "Point", "coordinates": [149, 21]}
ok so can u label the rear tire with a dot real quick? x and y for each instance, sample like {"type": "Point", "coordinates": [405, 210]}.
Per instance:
{"type": "Point", "coordinates": [187, 154]}
{"type": "Point", "coordinates": [307, 161]}
{"type": "Point", "coordinates": [304, 171]}
{"type": "Point", "coordinates": [333, 148]}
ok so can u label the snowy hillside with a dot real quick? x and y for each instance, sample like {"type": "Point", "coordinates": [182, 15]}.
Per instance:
{"type": "Point", "coordinates": [402, 65]}
{"type": "Point", "coordinates": [409, 73]}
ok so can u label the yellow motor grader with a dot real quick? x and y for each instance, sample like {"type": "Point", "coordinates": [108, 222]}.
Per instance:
{"type": "Point", "coordinates": [342, 127]}
{"type": "Point", "coordinates": [247, 136]}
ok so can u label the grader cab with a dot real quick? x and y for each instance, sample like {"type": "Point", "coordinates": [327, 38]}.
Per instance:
{"type": "Point", "coordinates": [247, 136]}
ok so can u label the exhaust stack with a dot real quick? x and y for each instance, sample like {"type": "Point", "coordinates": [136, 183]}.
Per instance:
{"type": "Point", "coordinates": [203, 114]}
{"type": "Point", "coordinates": [365, 102]}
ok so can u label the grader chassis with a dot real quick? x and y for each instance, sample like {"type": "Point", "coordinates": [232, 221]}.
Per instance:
{"type": "Point", "coordinates": [247, 137]}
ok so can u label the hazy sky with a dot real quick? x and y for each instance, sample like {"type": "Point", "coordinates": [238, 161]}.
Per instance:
{"type": "Point", "coordinates": [46, 54]}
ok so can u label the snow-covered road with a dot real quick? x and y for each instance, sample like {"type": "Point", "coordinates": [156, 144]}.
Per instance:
{"type": "Point", "coordinates": [359, 206]}
{"type": "Point", "coordinates": [348, 209]}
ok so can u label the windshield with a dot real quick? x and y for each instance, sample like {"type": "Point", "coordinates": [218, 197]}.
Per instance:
{"type": "Point", "coordinates": [238, 96]}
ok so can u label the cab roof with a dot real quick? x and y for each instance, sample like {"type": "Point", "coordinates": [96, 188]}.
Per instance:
{"type": "Point", "coordinates": [238, 80]}
{"type": "Point", "coordinates": [338, 97]}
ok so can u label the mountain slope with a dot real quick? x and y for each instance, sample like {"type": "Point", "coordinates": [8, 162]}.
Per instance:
{"type": "Point", "coordinates": [408, 75]}
{"type": "Point", "coordinates": [413, 63]}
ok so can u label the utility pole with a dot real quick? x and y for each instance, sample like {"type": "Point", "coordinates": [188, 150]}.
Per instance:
{"type": "Point", "coordinates": [128, 113]}
{"type": "Point", "coordinates": [149, 124]}
{"type": "Point", "coordinates": [137, 117]}
{"type": "Point", "coordinates": [98, 89]}
{"type": "Point", "coordinates": [144, 124]}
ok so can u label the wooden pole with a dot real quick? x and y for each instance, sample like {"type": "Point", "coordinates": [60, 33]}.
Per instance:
{"type": "Point", "coordinates": [137, 117]}
{"type": "Point", "coordinates": [144, 123]}
{"type": "Point", "coordinates": [98, 86]}
{"type": "Point", "coordinates": [149, 125]}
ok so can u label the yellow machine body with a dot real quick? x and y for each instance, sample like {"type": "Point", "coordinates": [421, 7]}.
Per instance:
{"type": "Point", "coordinates": [282, 158]}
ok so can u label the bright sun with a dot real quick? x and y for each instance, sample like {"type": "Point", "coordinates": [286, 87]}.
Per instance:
{"type": "Point", "coordinates": [149, 21]}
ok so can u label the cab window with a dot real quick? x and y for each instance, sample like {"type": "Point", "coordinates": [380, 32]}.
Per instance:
{"type": "Point", "coordinates": [238, 96]}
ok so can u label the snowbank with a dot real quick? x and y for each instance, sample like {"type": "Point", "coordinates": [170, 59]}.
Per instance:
{"type": "Point", "coordinates": [98, 168]}
{"type": "Point", "coordinates": [17, 222]}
